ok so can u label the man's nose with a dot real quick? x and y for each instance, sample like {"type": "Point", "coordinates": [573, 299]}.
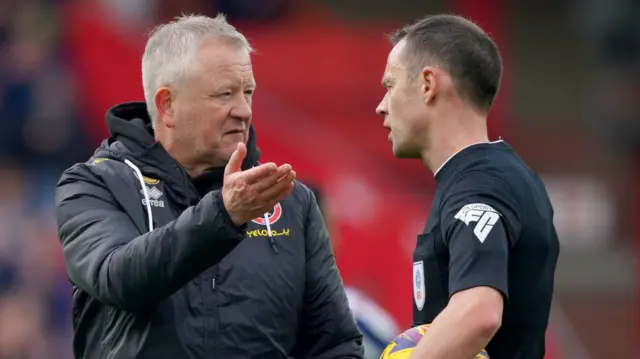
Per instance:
{"type": "Point", "coordinates": [242, 109]}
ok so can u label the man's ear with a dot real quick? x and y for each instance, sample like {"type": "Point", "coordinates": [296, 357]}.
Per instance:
{"type": "Point", "coordinates": [429, 79]}
{"type": "Point", "coordinates": [164, 100]}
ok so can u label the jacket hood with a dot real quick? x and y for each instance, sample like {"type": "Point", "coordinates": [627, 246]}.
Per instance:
{"type": "Point", "coordinates": [130, 124]}
{"type": "Point", "coordinates": [132, 139]}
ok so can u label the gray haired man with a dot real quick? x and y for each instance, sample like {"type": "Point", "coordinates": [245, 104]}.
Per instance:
{"type": "Point", "coordinates": [178, 243]}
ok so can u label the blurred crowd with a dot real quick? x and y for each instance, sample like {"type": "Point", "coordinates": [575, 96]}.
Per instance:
{"type": "Point", "coordinates": [43, 130]}
{"type": "Point", "coordinates": [146, 11]}
{"type": "Point", "coordinates": [40, 134]}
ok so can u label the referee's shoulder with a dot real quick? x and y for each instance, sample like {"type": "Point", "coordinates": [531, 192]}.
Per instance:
{"type": "Point", "coordinates": [504, 162]}
{"type": "Point", "coordinates": [496, 171]}
{"type": "Point", "coordinates": [505, 173]}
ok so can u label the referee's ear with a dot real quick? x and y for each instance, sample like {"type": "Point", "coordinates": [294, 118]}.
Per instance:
{"type": "Point", "coordinates": [430, 82]}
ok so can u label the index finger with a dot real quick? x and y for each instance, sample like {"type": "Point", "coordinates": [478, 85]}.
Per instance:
{"type": "Point", "coordinates": [254, 174]}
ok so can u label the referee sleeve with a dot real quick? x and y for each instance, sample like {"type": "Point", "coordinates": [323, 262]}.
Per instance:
{"type": "Point", "coordinates": [480, 222]}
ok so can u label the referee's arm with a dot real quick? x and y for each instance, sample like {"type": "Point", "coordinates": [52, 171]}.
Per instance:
{"type": "Point", "coordinates": [480, 221]}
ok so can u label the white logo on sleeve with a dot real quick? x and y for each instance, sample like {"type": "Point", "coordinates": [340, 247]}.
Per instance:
{"type": "Point", "coordinates": [418, 284]}
{"type": "Point", "coordinates": [485, 216]}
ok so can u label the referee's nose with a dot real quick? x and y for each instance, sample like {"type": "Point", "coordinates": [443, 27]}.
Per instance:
{"type": "Point", "coordinates": [383, 107]}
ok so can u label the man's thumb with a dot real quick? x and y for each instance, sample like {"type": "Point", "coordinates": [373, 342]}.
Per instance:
{"type": "Point", "coordinates": [235, 162]}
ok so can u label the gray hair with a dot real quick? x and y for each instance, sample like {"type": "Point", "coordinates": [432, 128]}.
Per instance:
{"type": "Point", "coordinates": [171, 48]}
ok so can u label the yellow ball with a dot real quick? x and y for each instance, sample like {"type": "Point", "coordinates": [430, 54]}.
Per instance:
{"type": "Point", "coordinates": [402, 346]}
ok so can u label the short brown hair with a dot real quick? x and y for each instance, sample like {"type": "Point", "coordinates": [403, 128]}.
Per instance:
{"type": "Point", "coordinates": [460, 47]}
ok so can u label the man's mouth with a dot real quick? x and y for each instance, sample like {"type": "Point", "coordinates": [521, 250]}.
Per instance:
{"type": "Point", "coordinates": [233, 132]}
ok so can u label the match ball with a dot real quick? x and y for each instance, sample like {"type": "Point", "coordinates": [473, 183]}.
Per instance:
{"type": "Point", "coordinates": [402, 346]}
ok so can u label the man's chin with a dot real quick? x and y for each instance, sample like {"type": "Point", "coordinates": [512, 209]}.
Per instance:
{"type": "Point", "coordinates": [404, 153]}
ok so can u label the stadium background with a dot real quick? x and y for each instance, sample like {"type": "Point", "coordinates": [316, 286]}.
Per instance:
{"type": "Point", "coordinates": [569, 104]}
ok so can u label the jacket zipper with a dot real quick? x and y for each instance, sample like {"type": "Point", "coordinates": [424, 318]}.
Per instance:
{"type": "Point", "coordinates": [213, 321]}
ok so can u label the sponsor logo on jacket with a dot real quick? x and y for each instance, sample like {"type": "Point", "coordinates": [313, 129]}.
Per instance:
{"type": "Point", "coordinates": [154, 197]}
{"type": "Point", "coordinates": [273, 216]}
{"type": "Point", "coordinates": [253, 233]}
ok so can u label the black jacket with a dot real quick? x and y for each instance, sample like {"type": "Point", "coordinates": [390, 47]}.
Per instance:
{"type": "Point", "coordinates": [194, 286]}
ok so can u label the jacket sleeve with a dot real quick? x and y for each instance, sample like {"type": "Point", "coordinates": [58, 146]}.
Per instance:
{"type": "Point", "coordinates": [329, 328]}
{"type": "Point", "coordinates": [106, 256]}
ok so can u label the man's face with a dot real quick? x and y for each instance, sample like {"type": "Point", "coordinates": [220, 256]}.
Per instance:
{"type": "Point", "coordinates": [403, 106]}
{"type": "Point", "coordinates": [212, 107]}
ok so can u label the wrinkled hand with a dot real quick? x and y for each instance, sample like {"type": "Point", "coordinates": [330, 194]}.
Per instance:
{"type": "Point", "coordinates": [252, 193]}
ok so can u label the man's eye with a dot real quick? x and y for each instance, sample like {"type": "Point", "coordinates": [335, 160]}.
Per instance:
{"type": "Point", "coordinates": [249, 92]}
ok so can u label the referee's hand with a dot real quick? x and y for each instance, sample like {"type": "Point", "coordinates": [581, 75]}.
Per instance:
{"type": "Point", "coordinates": [252, 193]}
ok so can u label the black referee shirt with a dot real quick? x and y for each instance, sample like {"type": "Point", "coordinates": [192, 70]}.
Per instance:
{"type": "Point", "coordinates": [490, 224]}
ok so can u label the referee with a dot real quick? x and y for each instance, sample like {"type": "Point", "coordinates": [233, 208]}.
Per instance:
{"type": "Point", "coordinates": [483, 269]}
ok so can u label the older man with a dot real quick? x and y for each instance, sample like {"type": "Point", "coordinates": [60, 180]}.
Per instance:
{"type": "Point", "coordinates": [177, 242]}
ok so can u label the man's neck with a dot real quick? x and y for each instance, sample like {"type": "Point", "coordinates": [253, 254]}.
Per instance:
{"type": "Point", "coordinates": [193, 168]}
{"type": "Point", "coordinates": [453, 139]}
{"type": "Point", "coordinates": [196, 170]}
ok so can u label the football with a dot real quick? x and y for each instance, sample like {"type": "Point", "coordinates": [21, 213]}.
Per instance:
{"type": "Point", "coordinates": [402, 346]}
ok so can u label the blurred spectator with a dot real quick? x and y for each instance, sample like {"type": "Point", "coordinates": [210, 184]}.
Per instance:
{"type": "Point", "coordinates": [31, 268]}
{"type": "Point", "coordinates": [39, 136]}
{"type": "Point", "coordinates": [264, 10]}
{"type": "Point", "coordinates": [21, 329]}
{"type": "Point", "coordinates": [377, 326]}
{"type": "Point", "coordinates": [12, 225]}
{"type": "Point", "coordinates": [236, 10]}
{"type": "Point", "coordinates": [612, 32]}
{"type": "Point", "coordinates": [137, 11]}
{"type": "Point", "coordinates": [39, 121]}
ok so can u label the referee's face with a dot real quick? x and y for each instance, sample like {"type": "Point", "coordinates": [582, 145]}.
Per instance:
{"type": "Point", "coordinates": [403, 107]}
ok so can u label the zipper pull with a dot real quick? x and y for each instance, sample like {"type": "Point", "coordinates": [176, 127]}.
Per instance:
{"type": "Point", "coordinates": [272, 241]}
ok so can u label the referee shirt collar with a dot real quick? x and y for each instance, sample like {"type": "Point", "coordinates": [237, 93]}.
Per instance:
{"type": "Point", "coordinates": [448, 168]}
